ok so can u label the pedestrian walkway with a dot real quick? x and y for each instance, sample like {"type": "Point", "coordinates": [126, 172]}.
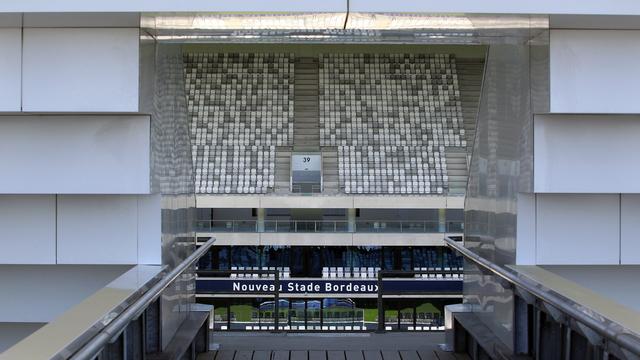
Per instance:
{"type": "Point", "coordinates": [291, 346]}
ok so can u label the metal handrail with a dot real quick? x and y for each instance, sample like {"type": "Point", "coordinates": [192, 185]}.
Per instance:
{"type": "Point", "coordinates": [627, 340]}
{"type": "Point", "coordinates": [120, 322]}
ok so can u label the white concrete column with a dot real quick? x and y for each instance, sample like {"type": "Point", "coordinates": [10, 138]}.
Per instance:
{"type": "Point", "coordinates": [442, 220]}
{"type": "Point", "coordinates": [351, 218]}
{"type": "Point", "coordinates": [261, 214]}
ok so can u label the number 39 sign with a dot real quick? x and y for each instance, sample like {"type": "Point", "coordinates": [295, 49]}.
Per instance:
{"type": "Point", "coordinates": [305, 162]}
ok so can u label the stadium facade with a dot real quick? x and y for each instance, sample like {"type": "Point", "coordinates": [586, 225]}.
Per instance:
{"type": "Point", "coordinates": [360, 166]}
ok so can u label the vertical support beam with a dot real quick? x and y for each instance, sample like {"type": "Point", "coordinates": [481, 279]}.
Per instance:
{"type": "Point", "coordinates": [276, 301]}
{"type": "Point", "coordinates": [261, 215]}
{"type": "Point", "coordinates": [381, 327]}
{"type": "Point", "coordinates": [522, 327]}
{"type": "Point", "coordinates": [442, 220]}
{"type": "Point", "coordinates": [351, 219]}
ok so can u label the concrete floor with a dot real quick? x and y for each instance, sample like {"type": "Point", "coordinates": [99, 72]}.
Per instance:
{"type": "Point", "coordinates": [323, 346]}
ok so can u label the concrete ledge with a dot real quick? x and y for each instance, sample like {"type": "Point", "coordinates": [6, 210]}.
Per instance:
{"type": "Point", "coordinates": [319, 201]}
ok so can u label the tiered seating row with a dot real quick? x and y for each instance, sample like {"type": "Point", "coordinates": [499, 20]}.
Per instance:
{"type": "Point", "coordinates": [241, 108]}
{"type": "Point", "coordinates": [391, 115]}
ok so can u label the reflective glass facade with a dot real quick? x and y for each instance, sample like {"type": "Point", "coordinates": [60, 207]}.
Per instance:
{"type": "Point", "coordinates": [311, 261]}
{"type": "Point", "coordinates": [328, 314]}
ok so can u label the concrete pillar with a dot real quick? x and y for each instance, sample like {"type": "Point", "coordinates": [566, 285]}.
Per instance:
{"type": "Point", "coordinates": [351, 218]}
{"type": "Point", "coordinates": [261, 214]}
{"type": "Point", "coordinates": [442, 220]}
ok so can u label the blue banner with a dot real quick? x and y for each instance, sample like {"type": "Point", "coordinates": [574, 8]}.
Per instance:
{"type": "Point", "coordinates": [326, 286]}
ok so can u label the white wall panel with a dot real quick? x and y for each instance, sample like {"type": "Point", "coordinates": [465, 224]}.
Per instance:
{"type": "Point", "coordinates": [27, 229]}
{"type": "Point", "coordinates": [594, 71]}
{"type": "Point", "coordinates": [526, 230]}
{"type": "Point", "coordinates": [149, 229]}
{"type": "Point", "coordinates": [587, 153]}
{"type": "Point", "coordinates": [630, 229]}
{"type": "Point", "coordinates": [10, 69]}
{"type": "Point", "coordinates": [80, 69]}
{"type": "Point", "coordinates": [578, 229]}
{"type": "Point", "coordinates": [614, 7]}
{"type": "Point", "coordinates": [97, 229]}
{"type": "Point", "coordinates": [170, 5]}
{"type": "Point", "coordinates": [74, 154]}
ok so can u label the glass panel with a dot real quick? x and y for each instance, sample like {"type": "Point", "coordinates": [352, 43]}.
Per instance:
{"type": "Point", "coordinates": [267, 314]}
{"type": "Point", "coordinates": [406, 315]}
{"type": "Point", "coordinates": [313, 315]}
{"type": "Point", "coordinates": [297, 261]}
{"type": "Point", "coordinates": [426, 314]}
{"type": "Point", "coordinates": [275, 256]}
{"type": "Point", "coordinates": [425, 257]}
{"type": "Point", "coordinates": [297, 314]}
{"type": "Point", "coordinates": [366, 256]}
{"type": "Point", "coordinates": [387, 258]}
{"type": "Point", "coordinates": [451, 260]}
{"type": "Point", "coordinates": [205, 261]}
{"type": "Point", "coordinates": [338, 314]}
{"type": "Point", "coordinates": [336, 257]}
{"type": "Point", "coordinates": [390, 315]}
{"type": "Point", "coordinates": [366, 314]}
{"type": "Point", "coordinates": [314, 264]}
{"type": "Point", "coordinates": [244, 257]}
{"type": "Point", "coordinates": [220, 315]}
{"type": "Point", "coordinates": [406, 259]}
{"type": "Point", "coordinates": [284, 314]}
{"type": "Point", "coordinates": [244, 314]}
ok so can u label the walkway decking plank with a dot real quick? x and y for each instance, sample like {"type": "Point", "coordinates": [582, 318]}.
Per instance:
{"type": "Point", "coordinates": [372, 355]}
{"type": "Point", "coordinates": [225, 354]}
{"type": "Point", "coordinates": [335, 355]}
{"type": "Point", "coordinates": [261, 355]}
{"type": "Point", "coordinates": [280, 355]}
{"type": "Point", "coordinates": [299, 355]}
{"type": "Point", "coordinates": [354, 355]}
{"type": "Point", "coordinates": [243, 355]}
{"type": "Point", "coordinates": [391, 355]}
{"type": "Point", "coordinates": [409, 355]}
{"type": "Point", "coordinates": [317, 355]}
{"type": "Point", "coordinates": [427, 355]}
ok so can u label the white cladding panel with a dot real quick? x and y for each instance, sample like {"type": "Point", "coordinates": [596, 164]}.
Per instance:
{"type": "Point", "coordinates": [97, 229]}
{"type": "Point", "coordinates": [80, 69]}
{"type": "Point", "coordinates": [27, 229]}
{"type": "Point", "coordinates": [526, 230]}
{"type": "Point", "coordinates": [74, 154]}
{"type": "Point", "coordinates": [578, 229]}
{"type": "Point", "coordinates": [149, 229]}
{"type": "Point", "coordinates": [172, 5]}
{"type": "Point", "coordinates": [594, 71]}
{"type": "Point", "coordinates": [630, 229]}
{"type": "Point", "coordinates": [10, 69]}
{"type": "Point", "coordinates": [586, 154]}
{"type": "Point", "coordinates": [612, 7]}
